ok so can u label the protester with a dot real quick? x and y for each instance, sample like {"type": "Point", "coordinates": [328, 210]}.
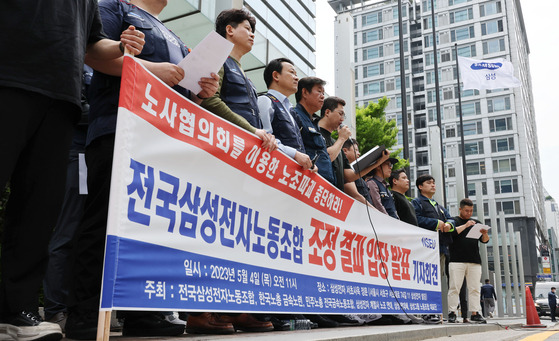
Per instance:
{"type": "Point", "coordinates": [56, 282]}
{"type": "Point", "coordinates": [400, 184]}
{"type": "Point", "coordinates": [465, 263]}
{"type": "Point", "coordinates": [351, 151]}
{"type": "Point", "coordinates": [310, 97]}
{"type": "Point", "coordinates": [235, 99]}
{"type": "Point", "coordinates": [275, 109]}
{"type": "Point", "coordinates": [162, 52]}
{"type": "Point", "coordinates": [432, 216]}
{"type": "Point", "coordinates": [40, 86]}
{"type": "Point", "coordinates": [378, 188]}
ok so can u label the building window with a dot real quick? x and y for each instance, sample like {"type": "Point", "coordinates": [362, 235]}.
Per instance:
{"type": "Point", "coordinates": [397, 29]}
{"type": "Point", "coordinates": [428, 23]}
{"type": "Point", "coordinates": [432, 94]}
{"type": "Point", "coordinates": [473, 148]}
{"type": "Point", "coordinates": [432, 112]}
{"type": "Point", "coordinates": [471, 108]}
{"type": "Point", "coordinates": [427, 5]}
{"type": "Point", "coordinates": [509, 207]}
{"type": "Point", "coordinates": [422, 158]}
{"type": "Point", "coordinates": [472, 189]}
{"type": "Point", "coordinates": [397, 64]}
{"type": "Point", "coordinates": [373, 70]}
{"type": "Point", "coordinates": [500, 124]}
{"type": "Point", "coordinates": [395, 11]}
{"type": "Point", "coordinates": [419, 121]}
{"type": "Point", "coordinates": [468, 93]}
{"type": "Point", "coordinates": [502, 145]}
{"type": "Point", "coordinates": [421, 139]}
{"type": "Point", "coordinates": [372, 52]}
{"type": "Point", "coordinates": [506, 186]}
{"type": "Point", "coordinates": [475, 168]}
{"type": "Point", "coordinates": [456, 2]}
{"type": "Point", "coordinates": [461, 15]}
{"type": "Point", "coordinates": [449, 132]}
{"type": "Point", "coordinates": [504, 165]}
{"type": "Point", "coordinates": [445, 56]}
{"type": "Point", "coordinates": [462, 33]}
{"type": "Point", "coordinates": [498, 104]}
{"type": "Point", "coordinates": [466, 51]}
{"type": "Point", "coordinates": [491, 27]}
{"type": "Point", "coordinates": [472, 128]}
{"type": "Point", "coordinates": [489, 8]}
{"type": "Point", "coordinates": [493, 45]}
{"type": "Point", "coordinates": [397, 46]}
{"type": "Point", "coordinates": [373, 88]}
{"type": "Point", "coordinates": [372, 35]}
{"type": "Point", "coordinates": [451, 173]}
{"type": "Point", "coordinates": [372, 18]}
{"type": "Point", "coordinates": [448, 93]}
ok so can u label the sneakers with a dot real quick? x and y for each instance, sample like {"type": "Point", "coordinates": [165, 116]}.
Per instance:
{"type": "Point", "coordinates": [150, 325]}
{"type": "Point", "coordinates": [451, 317]}
{"type": "Point", "coordinates": [174, 320]}
{"type": "Point", "coordinates": [477, 318]}
{"type": "Point", "coordinates": [465, 320]}
{"type": "Point", "coordinates": [27, 326]}
{"type": "Point", "coordinates": [432, 319]}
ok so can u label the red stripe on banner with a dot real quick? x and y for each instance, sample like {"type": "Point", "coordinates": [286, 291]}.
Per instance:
{"type": "Point", "coordinates": [146, 96]}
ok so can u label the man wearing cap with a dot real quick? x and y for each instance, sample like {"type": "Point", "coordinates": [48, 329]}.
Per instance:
{"type": "Point", "coordinates": [378, 188]}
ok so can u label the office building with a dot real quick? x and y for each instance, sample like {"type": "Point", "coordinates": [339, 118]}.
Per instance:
{"type": "Point", "coordinates": [283, 29]}
{"type": "Point", "coordinates": [501, 144]}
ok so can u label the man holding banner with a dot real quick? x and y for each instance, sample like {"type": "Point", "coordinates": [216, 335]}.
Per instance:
{"type": "Point", "coordinates": [160, 55]}
{"type": "Point", "coordinates": [40, 84]}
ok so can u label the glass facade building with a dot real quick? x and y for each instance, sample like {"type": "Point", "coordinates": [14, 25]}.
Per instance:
{"type": "Point", "coordinates": [283, 29]}
{"type": "Point", "coordinates": [501, 144]}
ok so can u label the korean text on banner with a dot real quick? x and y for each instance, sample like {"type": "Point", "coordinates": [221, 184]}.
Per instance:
{"type": "Point", "coordinates": [487, 74]}
{"type": "Point", "coordinates": [202, 219]}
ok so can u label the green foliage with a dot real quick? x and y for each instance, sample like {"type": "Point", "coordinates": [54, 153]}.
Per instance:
{"type": "Point", "coordinates": [374, 130]}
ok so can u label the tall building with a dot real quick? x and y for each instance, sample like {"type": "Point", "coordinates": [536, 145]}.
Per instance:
{"type": "Point", "coordinates": [501, 144]}
{"type": "Point", "coordinates": [283, 29]}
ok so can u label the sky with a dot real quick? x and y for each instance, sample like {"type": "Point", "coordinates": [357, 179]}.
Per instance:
{"type": "Point", "coordinates": [540, 18]}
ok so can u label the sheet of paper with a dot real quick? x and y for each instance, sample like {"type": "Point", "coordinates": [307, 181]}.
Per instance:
{"type": "Point", "coordinates": [207, 57]}
{"type": "Point", "coordinates": [475, 232]}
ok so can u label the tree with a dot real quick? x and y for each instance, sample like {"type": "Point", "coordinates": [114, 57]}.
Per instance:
{"type": "Point", "coordinates": [373, 129]}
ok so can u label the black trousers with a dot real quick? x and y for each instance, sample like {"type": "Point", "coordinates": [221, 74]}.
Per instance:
{"type": "Point", "coordinates": [35, 136]}
{"type": "Point", "coordinates": [56, 282]}
{"type": "Point", "coordinates": [552, 309]}
{"type": "Point", "coordinates": [89, 244]}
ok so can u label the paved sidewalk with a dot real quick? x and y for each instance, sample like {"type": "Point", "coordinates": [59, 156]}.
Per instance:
{"type": "Point", "coordinates": [362, 333]}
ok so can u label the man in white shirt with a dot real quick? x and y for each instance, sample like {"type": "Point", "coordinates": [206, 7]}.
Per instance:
{"type": "Point", "coordinates": [275, 109]}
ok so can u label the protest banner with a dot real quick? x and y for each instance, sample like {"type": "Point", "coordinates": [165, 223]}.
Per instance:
{"type": "Point", "coordinates": [202, 219]}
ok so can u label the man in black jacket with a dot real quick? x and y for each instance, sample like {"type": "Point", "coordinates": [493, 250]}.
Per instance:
{"type": "Point", "coordinates": [400, 184]}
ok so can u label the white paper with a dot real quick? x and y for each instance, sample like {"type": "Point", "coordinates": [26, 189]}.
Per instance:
{"type": "Point", "coordinates": [207, 57]}
{"type": "Point", "coordinates": [475, 232]}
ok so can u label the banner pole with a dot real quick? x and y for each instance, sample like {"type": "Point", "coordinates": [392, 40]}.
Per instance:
{"type": "Point", "coordinates": [104, 325]}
